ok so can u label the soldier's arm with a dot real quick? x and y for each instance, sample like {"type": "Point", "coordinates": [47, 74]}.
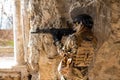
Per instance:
{"type": "Point", "coordinates": [70, 46]}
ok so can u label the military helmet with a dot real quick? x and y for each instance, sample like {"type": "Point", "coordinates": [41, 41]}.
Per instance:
{"type": "Point", "coordinates": [86, 20]}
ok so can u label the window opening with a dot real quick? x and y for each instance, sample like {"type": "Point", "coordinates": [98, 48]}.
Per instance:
{"type": "Point", "coordinates": [6, 34]}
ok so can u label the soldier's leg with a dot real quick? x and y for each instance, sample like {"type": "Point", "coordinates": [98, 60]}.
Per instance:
{"type": "Point", "coordinates": [84, 71]}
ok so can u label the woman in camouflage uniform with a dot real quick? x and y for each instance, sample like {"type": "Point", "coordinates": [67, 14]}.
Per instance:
{"type": "Point", "coordinates": [78, 50]}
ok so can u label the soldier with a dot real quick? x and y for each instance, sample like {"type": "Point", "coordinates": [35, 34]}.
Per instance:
{"type": "Point", "coordinates": [78, 50]}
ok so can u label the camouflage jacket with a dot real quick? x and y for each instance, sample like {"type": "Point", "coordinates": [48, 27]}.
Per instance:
{"type": "Point", "coordinates": [80, 48]}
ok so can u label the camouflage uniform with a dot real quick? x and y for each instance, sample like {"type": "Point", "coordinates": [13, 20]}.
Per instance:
{"type": "Point", "coordinates": [77, 54]}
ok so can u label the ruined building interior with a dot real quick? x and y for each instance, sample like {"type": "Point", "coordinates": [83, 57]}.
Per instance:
{"type": "Point", "coordinates": [36, 56]}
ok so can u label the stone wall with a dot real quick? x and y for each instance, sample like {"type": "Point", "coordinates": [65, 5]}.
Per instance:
{"type": "Point", "coordinates": [106, 66]}
{"type": "Point", "coordinates": [18, 33]}
{"type": "Point", "coordinates": [43, 55]}
{"type": "Point", "coordinates": [15, 73]}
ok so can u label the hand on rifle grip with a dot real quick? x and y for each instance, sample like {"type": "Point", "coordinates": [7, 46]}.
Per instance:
{"type": "Point", "coordinates": [57, 36]}
{"type": "Point", "coordinates": [63, 54]}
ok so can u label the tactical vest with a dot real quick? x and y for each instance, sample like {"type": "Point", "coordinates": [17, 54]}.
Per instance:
{"type": "Point", "coordinates": [84, 54]}
{"type": "Point", "coordinates": [85, 51]}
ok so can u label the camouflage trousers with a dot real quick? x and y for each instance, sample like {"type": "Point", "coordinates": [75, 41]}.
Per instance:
{"type": "Point", "coordinates": [73, 73]}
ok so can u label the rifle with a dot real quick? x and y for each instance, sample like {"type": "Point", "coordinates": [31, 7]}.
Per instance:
{"type": "Point", "coordinates": [56, 33]}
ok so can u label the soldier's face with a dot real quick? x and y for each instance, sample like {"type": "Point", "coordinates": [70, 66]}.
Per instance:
{"type": "Point", "coordinates": [77, 27]}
